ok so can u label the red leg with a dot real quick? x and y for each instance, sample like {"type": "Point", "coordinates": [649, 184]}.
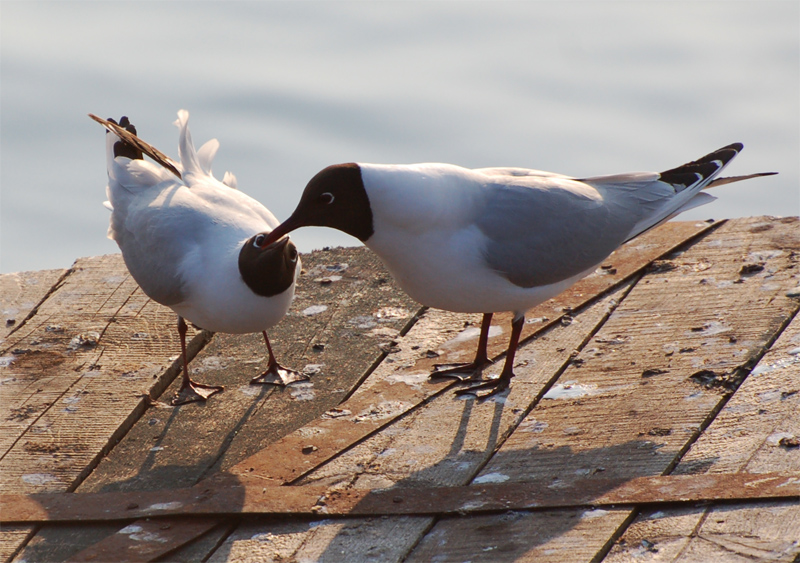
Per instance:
{"type": "Point", "coordinates": [471, 370]}
{"type": "Point", "coordinates": [190, 391]}
{"type": "Point", "coordinates": [275, 373]}
{"type": "Point", "coordinates": [502, 382]}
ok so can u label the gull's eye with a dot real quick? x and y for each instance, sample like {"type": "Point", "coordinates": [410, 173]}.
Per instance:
{"type": "Point", "coordinates": [326, 198]}
{"type": "Point", "coordinates": [258, 242]}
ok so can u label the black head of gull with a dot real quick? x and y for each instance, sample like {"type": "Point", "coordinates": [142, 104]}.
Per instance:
{"type": "Point", "coordinates": [334, 198]}
{"type": "Point", "coordinates": [268, 269]}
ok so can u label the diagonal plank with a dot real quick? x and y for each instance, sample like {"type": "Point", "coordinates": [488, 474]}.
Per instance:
{"type": "Point", "coordinates": [744, 438]}
{"type": "Point", "coordinates": [442, 443]}
{"type": "Point", "coordinates": [133, 550]}
{"type": "Point", "coordinates": [355, 309]}
{"type": "Point", "coordinates": [639, 393]}
{"type": "Point", "coordinates": [20, 294]}
{"type": "Point", "coordinates": [248, 496]}
{"type": "Point", "coordinates": [80, 366]}
{"type": "Point", "coordinates": [65, 400]}
{"type": "Point", "coordinates": [287, 453]}
{"type": "Point", "coordinates": [439, 338]}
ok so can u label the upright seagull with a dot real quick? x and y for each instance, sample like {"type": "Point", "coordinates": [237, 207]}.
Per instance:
{"type": "Point", "coordinates": [197, 245]}
{"type": "Point", "coordinates": [496, 239]}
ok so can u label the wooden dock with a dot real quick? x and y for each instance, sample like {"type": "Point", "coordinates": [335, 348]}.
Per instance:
{"type": "Point", "coordinates": [655, 416]}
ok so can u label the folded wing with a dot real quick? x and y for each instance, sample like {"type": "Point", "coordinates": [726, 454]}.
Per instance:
{"type": "Point", "coordinates": [544, 228]}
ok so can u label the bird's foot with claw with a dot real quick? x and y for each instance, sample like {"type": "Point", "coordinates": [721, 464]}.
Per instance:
{"type": "Point", "coordinates": [279, 375]}
{"type": "Point", "coordinates": [494, 386]}
{"type": "Point", "coordinates": [461, 372]}
{"type": "Point", "coordinates": [195, 392]}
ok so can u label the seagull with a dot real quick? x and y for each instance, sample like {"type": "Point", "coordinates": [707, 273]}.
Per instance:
{"type": "Point", "coordinates": [197, 245]}
{"type": "Point", "coordinates": [496, 239]}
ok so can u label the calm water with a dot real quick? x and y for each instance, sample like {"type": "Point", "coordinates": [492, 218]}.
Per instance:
{"type": "Point", "coordinates": [580, 88]}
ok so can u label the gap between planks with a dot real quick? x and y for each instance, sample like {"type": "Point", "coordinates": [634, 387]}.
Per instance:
{"type": "Point", "coordinates": [688, 230]}
{"type": "Point", "coordinates": [585, 427]}
{"type": "Point", "coordinates": [761, 412]}
{"type": "Point", "coordinates": [604, 420]}
{"type": "Point", "coordinates": [55, 378]}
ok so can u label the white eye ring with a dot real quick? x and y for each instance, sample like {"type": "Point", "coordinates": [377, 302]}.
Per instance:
{"type": "Point", "coordinates": [258, 241]}
{"type": "Point", "coordinates": [327, 197]}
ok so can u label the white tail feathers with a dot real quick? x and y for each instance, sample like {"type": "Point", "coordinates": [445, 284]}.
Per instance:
{"type": "Point", "coordinates": [186, 151]}
{"type": "Point", "coordinates": [206, 155]}
{"type": "Point", "coordinates": [229, 180]}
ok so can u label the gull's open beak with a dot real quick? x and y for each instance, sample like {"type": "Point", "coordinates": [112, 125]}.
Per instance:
{"type": "Point", "coordinates": [281, 230]}
{"type": "Point", "coordinates": [277, 245]}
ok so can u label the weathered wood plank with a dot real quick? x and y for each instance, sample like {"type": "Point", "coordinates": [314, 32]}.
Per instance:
{"type": "Point", "coordinates": [765, 532]}
{"type": "Point", "coordinates": [745, 437]}
{"type": "Point", "coordinates": [11, 538]}
{"type": "Point", "coordinates": [80, 368]}
{"type": "Point", "coordinates": [267, 411]}
{"type": "Point", "coordinates": [434, 328]}
{"type": "Point", "coordinates": [435, 341]}
{"type": "Point", "coordinates": [765, 409]}
{"type": "Point", "coordinates": [628, 261]}
{"type": "Point", "coordinates": [20, 293]}
{"type": "Point", "coordinates": [264, 541]}
{"type": "Point", "coordinates": [346, 308]}
{"type": "Point", "coordinates": [628, 405]}
{"type": "Point", "coordinates": [444, 442]}
{"type": "Point", "coordinates": [361, 327]}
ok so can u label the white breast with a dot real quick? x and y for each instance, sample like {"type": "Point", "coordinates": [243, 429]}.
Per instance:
{"type": "Point", "coordinates": [425, 234]}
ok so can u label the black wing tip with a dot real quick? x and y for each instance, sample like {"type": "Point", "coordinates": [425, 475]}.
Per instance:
{"type": "Point", "coordinates": [130, 145]}
{"type": "Point", "coordinates": [733, 146]}
{"type": "Point", "coordinates": [725, 154]}
{"type": "Point", "coordinates": [122, 147]}
{"type": "Point", "coordinates": [703, 168]}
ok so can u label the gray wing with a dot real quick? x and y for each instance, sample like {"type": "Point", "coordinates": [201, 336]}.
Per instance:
{"type": "Point", "coordinates": [550, 229]}
{"type": "Point", "coordinates": [519, 173]}
{"type": "Point", "coordinates": [543, 228]}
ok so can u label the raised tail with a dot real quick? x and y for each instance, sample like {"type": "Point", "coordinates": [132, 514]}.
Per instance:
{"type": "Point", "coordinates": [132, 146]}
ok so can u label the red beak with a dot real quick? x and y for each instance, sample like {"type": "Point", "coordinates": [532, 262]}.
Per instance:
{"type": "Point", "coordinates": [277, 245]}
{"type": "Point", "coordinates": [284, 228]}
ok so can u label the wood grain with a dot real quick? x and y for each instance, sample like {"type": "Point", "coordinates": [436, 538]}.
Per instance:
{"type": "Point", "coordinates": [20, 293]}
{"type": "Point", "coordinates": [745, 437]}
{"type": "Point", "coordinates": [360, 310]}
{"type": "Point", "coordinates": [81, 368]}
{"type": "Point", "coordinates": [641, 390]}
{"type": "Point", "coordinates": [288, 456]}
{"type": "Point", "coordinates": [444, 442]}
{"type": "Point", "coordinates": [641, 406]}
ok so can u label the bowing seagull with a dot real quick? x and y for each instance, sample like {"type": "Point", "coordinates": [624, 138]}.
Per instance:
{"type": "Point", "coordinates": [198, 245]}
{"type": "Point", "coordinates": [496, 239]}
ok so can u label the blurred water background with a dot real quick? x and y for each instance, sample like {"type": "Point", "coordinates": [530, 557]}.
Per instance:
{"type": "Point", "coordinates": [581, 88]}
